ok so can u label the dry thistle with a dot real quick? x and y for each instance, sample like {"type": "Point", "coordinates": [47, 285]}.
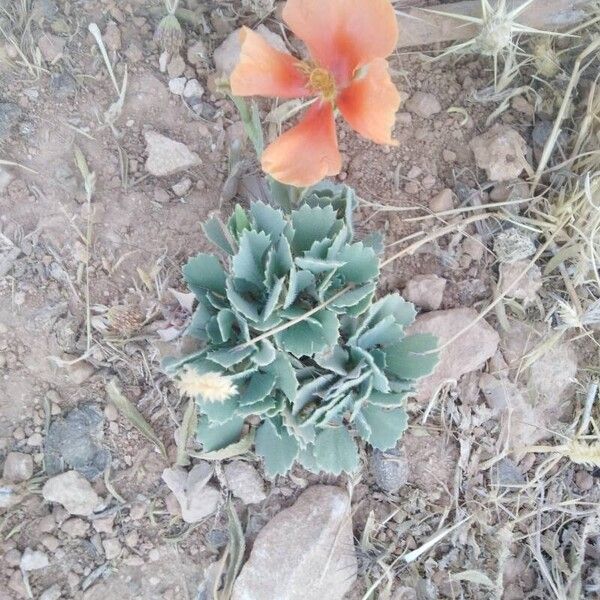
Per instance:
{"type": "Point", "coordinates": [212, 387]}
{"type": "Point", "coordinates": [169, 35]}
{"type": "Point", "coordinates": [124, 320]}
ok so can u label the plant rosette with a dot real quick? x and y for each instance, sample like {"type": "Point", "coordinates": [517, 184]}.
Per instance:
{"type": "Point", "coordinates": [290, 334]}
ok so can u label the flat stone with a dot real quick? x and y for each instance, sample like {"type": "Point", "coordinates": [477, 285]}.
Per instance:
{"type": "Point", "coordinates": [166, 156]}
{"type": "Point", "coordinates": [52, 593]}
{"type": "Point", "coordinates": [193, 90]}
{"type": "Point", "coordinates": [442, 201]}
{"type": "Point", "coordinates": [73, 491]}
{"type": "Point", "coordinates": [197, 498]}
{"type": "Point", "coordinates": [182, 187]}
{"type": "Point", "coordinates": [468, 353]}
{"type": "Point", "coordinates": [112, 548]}
{"type": "Point", "coordinates": [423, 104]}
{"type": "Point", "coordinates": [310, 548]}
{"type": "Point", "coordinates": [244, 482]}
{"type": "Point", "coordinates": [522, 288]}
{"type": "Point", "coordinates": [501, 152]}
{"type": "Point", "coordinates": [18, 467]}
{"type": "Point", "coordinates": [51, 47]}
{"type": "Point", "coordinates": [177, 85]}
{"type": "Point", "coordinates": [32, 560]}
{"type": "Point", "coordinates": [80, 372]}
{"type": "Point", "coordinates": [426, 291]}
{"type": "Point", "coordinates": [75, 442]}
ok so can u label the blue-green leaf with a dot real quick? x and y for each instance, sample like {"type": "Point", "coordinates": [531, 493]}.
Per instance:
{"type": "Point", "coordinates": [285, 375]}
{"type": "Point", "coordinates": [248, 263]}
{"type": "Point", "coordinates": [260, 386]}
{"type": "Point", "coordinates": [299, 281]}
{"type": "Point", "coordinates": [335, 451]}
{"type": "Point", "coordinates": [311, 335]}
{"type": "Point", "coordinates": [267, 219]}
{"type": "Point", "coordinates": [407, 359]}
{"type": "Point", "coordinates": [218, 234]}
{"type": "Point", "coordinates": [277, 448]}
{"type": "Point", "coordinates": [310, 225]}
{"type": "Point", "coordinates": [204, 272]}
{"type": "Point", "coordinates": [381, 427]}
{"type": "Point", "coordinates": [361, 265]}
{"type": "Point", "coordinates": [216, 436]}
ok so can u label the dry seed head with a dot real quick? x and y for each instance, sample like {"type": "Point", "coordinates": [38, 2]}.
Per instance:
{"type": "Point", "coordinates": [545, 58]}
{"type": "Point", "coordinates": [169, 35]}
{"type": "Point", "coordinates": [212, 387]}
{"type": "Point", "coordinates": [584, 454]}
{"type": "Point", "coordinates": [124, 320]}
{"type": "Point", "coordinates": [496, 35]}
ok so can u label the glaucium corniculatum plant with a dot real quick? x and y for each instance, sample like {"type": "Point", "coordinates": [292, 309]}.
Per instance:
{"type": "Point", "coordinates": [291, 335]}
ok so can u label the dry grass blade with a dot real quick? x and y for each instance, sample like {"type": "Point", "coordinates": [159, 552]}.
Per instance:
{"type": "Point", "coordinates": [236, 449]}
{"type": "Point", "coordinates": [188, 425]}
{"type": "Point", "coordinates": [133, 415]}
{"type": "Point", "coordinates": [234, 553]}
{"type": "Point", "coordinates": [9, 163]}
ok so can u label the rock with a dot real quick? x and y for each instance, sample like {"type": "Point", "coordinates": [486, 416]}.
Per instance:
{"type": "Point", "coordinates": [193, 90]}
{"type": "Point", "coordinates": [197, 53]}
{"type": "Point", "coordinates": [442, 201]}
{"type": "Point", "coordinates": [177, 85]}
{"type": "Point", "coordinates": [527, 287]}
{"type": "Point", "coordinates": [197, 498]}
{"type": "Point", "coordinates": [466, 354]}
{"type": "Point", "coordinates": [18, 467]}
{"type": "Point", "coordinates": [35, 440]}
{"type": "Point", "coordinates": [506, 473]}
{"type": "Point", "coordinates": [32, 560]}
{"type": "Point", "coordinates": [75, 527]}
{"type": "Point", "coordinates": [112, 548]}
{"type": "Point", "coordinates": [474, 247]}
{"type": "Point", "coordinates": [311, 547]}
{"type": "Point", "coordinates": [176, 67]}
{"type": "Point", "coordinates": [227, 55]}
{"type": "Point", "coordinates": [182, 187]}
{"type": "Point", "coordinates": [51, 593]}
{"type": "Point", "coordinates": [50, 542]}
{"type": "Point", "coordinates": [12, 558]}
{"type": "Point", "coordinates": [5, 178]}
{"type": "Point", "coordinates": [501, 152]}
{"type": "Point", "coordinates": [10, 114]}
{"type": "Point", "coordinates": [166, 156]}
{"type": "Point", "coordinates": [423, 105]}
{"type": "Point", "coordinates": [73, 491]}
{"type": "Point", "coordinates": [389, 469]}
{"type": "Point", "coordinates": [244, 482]}
{"type": "Point", "coordinates": [51, 47]}
{"type": "Point", "coordinates": [80, 372]}
{"type": "Point", "coordinates": [15, 583]}
{"type": "Point", "coordinates": [75, 442]}
{"type": "Point", "coordinates": [512, 245]}
{"type": "Point", "coordinates": [105, 524]}
{"type": "Point", "coordinates": [426, 291]}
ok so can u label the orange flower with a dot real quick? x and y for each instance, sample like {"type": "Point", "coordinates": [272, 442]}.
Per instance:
{"type": "Point", "coordinates": [348, 41]}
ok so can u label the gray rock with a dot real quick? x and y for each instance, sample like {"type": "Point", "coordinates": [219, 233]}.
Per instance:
{"type": "Point", "coordinates": [306, 552]}
{"type": "Point", "coordinates": [176, 67]}
{"type": "Point", "coordinates": [193, 90]}
{"type": "Point", "coordinates": [525, 288]}
{"type": "Point", "coordinates": [468, 353]}
{"type": "Point", "coordinates": [51, 593]}
{"type": "Point", "coordinates": [18, 467]}
{"type": "Point", "coordinates": [166, 156]}
{"type": "Point", "coordinates": [505, 473]}
{"type": "Point", "coordinates": [426, 291]}
{"type": "Point", "coordinates": [197, 498]}
{"type": "Point", "coordinates": [442, 201]}
{"type": "Point", "coordinates": [177, 85]}
{"type": "Point", "coordinates": [75, 442]}
{"type": "Point", "coordinates": [80, 371]}
{"type": "Point", "coordinates": [244, 482]}
{"type": "Point", "coordinates": [182, 187]}
{"type": "Point", "coordinates": [10, 114]}
{"type": "Point", "coordinates": [389, 469]}
{"type": "Point", "coordinates": [423, 104]}
{"type": "Point", "coordinates": [32, 560]}
{"type": "Point", "coordinates": [501, 152]}
{"type": "Point", "coordinates": [73, 491]}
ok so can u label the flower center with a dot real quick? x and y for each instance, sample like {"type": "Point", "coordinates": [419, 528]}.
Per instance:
{"type": "Point", "coordinates": [320, 81]}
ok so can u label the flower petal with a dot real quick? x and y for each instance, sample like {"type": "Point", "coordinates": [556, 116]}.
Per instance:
{"type": "Point", "coordinates": [369, 103]}
{"type": "Point", "coordinates": [343, 35]}
{"type": "Point", "coordinates": [306, 153]}
{"type": "Point", "coordinates": [264, 71]}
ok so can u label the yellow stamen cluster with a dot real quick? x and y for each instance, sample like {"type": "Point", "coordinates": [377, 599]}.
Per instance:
{"type": "Point", "coordinates": [320, 81]}
{"type": "Point", "coordinates": [212, 387]}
